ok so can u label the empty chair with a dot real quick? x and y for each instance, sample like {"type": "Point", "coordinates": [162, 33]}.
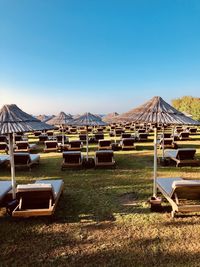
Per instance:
{"type": "Point", "coordinates": [18, 138]}
{"type": "Point", "coordinates": [43, 138]}
{"type": "Point", "coordinates": [37, 133]}
{"type": "Point", "coordinates": [3, 139]}
{"type": "Point", "coordinates": [119, 131]}
{"type": "Point", "coordinates": [104, 145]}
{"type": "Point", "coordinates": [98, 136]}
{"type": "Point", "coordinates": [82, 137]}
{"type": "Point", "coordinates": [72, 159]}
{"type": "Point", "coordinates": [182, 156]}
{"type": "Point", "coordinates": [49, 133]}
{"type": "Point", "coordinates": [38, 199]}
{"type": "Point", "coordinates": [75, 145]}
{"type": "Point", "coordinates": [60, 138]}
{"type": "Point", "coordinates": [168, 143]}
{"type": "Point", "coordinates": [141, 130]}
{"type": "Point", "coordinates": [26, 160]}
{"type": "Point", "coordinates": [180, 193]}
{"type": "Point", "coordinates": [125, 135]}
{"type": "Point", "coordinates": [127, 143]}
{"type": "Point", "coordinates": [24, 146]}
{"type": "Point", "coordinates": [192, 130]}
{"type": "Point", "coordinates": [183, 136]}
{"type": "Point", "coordinates": [73, 130]}
{"type": "Point", "coordinates": [104, 158]}
{"type": "Point", "coordinates": [142, 137]}
{"type": "Point", "coordinates": [50, 146]}
{"type": "Point", "coordinates": [4, 147]}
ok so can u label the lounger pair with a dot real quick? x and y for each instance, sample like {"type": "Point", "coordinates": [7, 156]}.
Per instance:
{"type": "Point", "coordinates": [183, 195]}
{"type": "Point", "coordinates": [182, 156]}
{"type": "Point", "coordinates": [38, 199]}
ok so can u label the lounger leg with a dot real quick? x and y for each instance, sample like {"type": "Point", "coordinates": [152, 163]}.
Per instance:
{"type": "Point", "coordinates": [172, 214]}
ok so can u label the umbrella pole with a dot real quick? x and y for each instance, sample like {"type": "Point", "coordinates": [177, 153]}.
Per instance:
{"type": "Point", "coordinates": [155, 162]}
{"type": "Point", "coordinates": [87, 143]}
{"type": "Point", "coordinates": [163, 143]}
{"type": "Point", "coordinates": [12, 164]}
{"type": "Point", "coordinates": [63, 137]}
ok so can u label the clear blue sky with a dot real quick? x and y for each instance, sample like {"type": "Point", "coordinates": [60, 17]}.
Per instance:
{"type": "Point", "coordinates": [97, 55]}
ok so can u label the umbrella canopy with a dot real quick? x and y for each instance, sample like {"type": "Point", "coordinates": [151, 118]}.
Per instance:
{"type": "Point", "coordinates": [12, 120]}
{"type": "Point", "coordinates": [88, 119]}
{"type": "Point", "coordinates": [157, 111]}
{"type": "Point", "coordinates": [61, 119]}
{"type": "Point", "coordinates": [44, 118]}
{"type": "Point", "coordinates": [109, 118]}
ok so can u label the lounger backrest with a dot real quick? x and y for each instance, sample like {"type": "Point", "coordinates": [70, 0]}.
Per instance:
{"type": "Point", "coordinates": [3, 146]}
{"type": "Point", "coordinates": [18, 138]}
{"type": "Point", "coordinates": [35, 195]}
{"type": "Point", "coordinates": [43, 137]}
{"type": "Point", "coordinates": [143, 135]}
{"type": "Point", "coordinates": [82, 137]}
{"type": "Point", "coordinates": [128, 141]}
{"type": "Point", "coordinates": [75, 143]}
{"type": "Point", "coordinates": [185, 154]}
{"type": "Point", "coordinates": [187, 189]}
{"type": "Point", "coordinates": [104, 143]}
{"type": "Point", "coordinates": [99, 136]}
{"type": "Point", "coordinates": [22, 145]}
{"type": "Point", "coordinates": [71, 157]}
{"type": "Point", "coordinates": [141, 130]}
{"type": "Point", "coordinates": [126, 135]}
{"type": "Point", "coordinates": [104, 156]}
{"type": "Point", "coordinates": [60, 138]}
{"type": "Point", "coordinates": [184, 134]}
{"type": "Point", "coordinates": [3, 139]}
{"type": "Point", "coordinates": [51, 144]}
{"type": "Point", "coordinates": [22, 158]}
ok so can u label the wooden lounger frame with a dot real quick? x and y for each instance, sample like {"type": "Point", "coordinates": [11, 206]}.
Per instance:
{"type": "Point", "coordinates": [176, 201]}
{"type": "Point", "coordinates": [40, 211]}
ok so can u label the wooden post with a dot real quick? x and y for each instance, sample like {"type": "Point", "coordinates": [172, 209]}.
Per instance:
{"type": "Point", "coordinates": [87, 143]}
{"type": "Point", "coordinates": [12, 164]}
{"type": "Point", "coordinates": [155, 162]}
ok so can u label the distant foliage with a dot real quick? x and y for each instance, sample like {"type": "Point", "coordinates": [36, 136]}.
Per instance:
{"type": "Point", "coordinates": [188, 104]}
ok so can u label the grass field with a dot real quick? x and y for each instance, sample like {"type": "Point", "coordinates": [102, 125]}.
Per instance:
{"type": "Point", "coordinates": [103, 218]}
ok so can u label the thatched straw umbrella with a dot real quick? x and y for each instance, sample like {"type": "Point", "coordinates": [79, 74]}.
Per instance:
{"type": "Point", "coordinates": [61, 119]}
{"type": "Point", "coordinates": [157, 112]}
{"type": "Point", "coordinates": [14, 120]}
{"type": "Point", "coordinates": [110, 117]}
{"type": "Point", "coordinates": [88, 119]}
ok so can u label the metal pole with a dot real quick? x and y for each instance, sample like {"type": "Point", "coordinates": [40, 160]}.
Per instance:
{"type": "Point", "coordinates": [163, 143]}
{"type": "Point", "coordinates": [87, 143]}
{"type": "Point", "coordinates": [12, 164]}
{"type": "Point", "coordinates": [155, 162]}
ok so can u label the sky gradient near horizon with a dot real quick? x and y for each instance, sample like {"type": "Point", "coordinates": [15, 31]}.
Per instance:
{"type": "Point", "coordinates": [97, 55]}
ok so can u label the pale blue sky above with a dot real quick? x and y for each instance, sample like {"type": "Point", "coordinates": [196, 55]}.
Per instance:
{"type": "Point", "coordinates": [97, 55]}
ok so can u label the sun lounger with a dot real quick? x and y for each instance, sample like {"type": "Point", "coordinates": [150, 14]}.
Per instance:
{"type": "Point", "coordinates": [183, 136]}
{"type": "Point", "coordinates": [168, 143]}
{"type": "Point", "coordinates": [74, 145]}
{"type": "Point", "coordinates": [142, 137]}
{"type": "Point", "coordinates": [104, 158]}
{"type": "Point", "coordinates": [105, 145]}
{"type": "Point", "coordinates": [5, 187]}
{"type": "Point", "coordinates": [192, 130]}
{"type": "Point", "coordinates": [127, 143]}
{"type": "Point", "coordinates": [3, 139]}
{"type": "Point", "coordinates": [4, 159]}
{"type": "Point", "coordinates": [24, 146]}
{"type": "Point", "coordinates": [72, 159]}
{"type": "Point", "coordinates": [98, 136]}
{"type": "Point", "coordinates": [4, 147]}
{"type": "Point", "coordinates": [182, 156]}
{"type": "Point", "coordinates": [25, 160]}
{"type": "Point", "coordinates": [125, 135]}
{"type": "Point", "coordinates": [180, 193]}
{"type": "Point", "coordinates": [82, 137]}
{"type": "Point", "coordinates": [43, 138]}
{"type": "Point", "coordinates": [50, 146]}
{"type": "Point", "coordinates": [38, 199]}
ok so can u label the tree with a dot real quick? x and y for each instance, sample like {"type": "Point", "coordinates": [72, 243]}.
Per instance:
{"type": "Point", "coordinates": [188, 104]}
